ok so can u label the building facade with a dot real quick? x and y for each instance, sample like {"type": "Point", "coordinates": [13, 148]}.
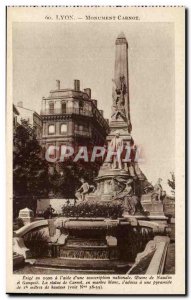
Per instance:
{"type": "Point", "coordinates": [32, 117]}
{"type": "Point", "coordinates": [71, 117]}
{"type": "Point", "coordinates": [15, 116]}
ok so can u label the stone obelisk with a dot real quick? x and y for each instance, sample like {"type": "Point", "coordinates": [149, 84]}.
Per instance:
{"type": "Point", "coordinates": [120, 118]}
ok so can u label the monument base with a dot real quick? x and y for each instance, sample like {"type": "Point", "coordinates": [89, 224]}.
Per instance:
{"type": "Point", "coordinates": [105, 183]}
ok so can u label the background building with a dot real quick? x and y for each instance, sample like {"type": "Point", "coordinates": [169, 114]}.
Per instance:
{"type": "Point", "coordinates": [15, 116]}
{"type": "Point", "coordinates": [70, 116]}
{"type": "Point", "coordinates": [31, 116]}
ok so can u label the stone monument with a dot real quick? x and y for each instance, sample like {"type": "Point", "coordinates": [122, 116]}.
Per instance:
{"type": "Point", "coordinates": [120, 177]}
{"type": "Point", "coordinates": [115, 171]}
{"type": "Point", "coordinates": [26, 215]}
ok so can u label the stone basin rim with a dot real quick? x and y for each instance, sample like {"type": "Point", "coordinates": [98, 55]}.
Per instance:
{"type": "Point", "coordinates": [88, 219]}
{"type": "Point", "coordinates": [89, 223]}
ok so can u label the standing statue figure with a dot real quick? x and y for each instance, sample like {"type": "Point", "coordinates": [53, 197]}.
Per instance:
{"type": "Point", "coordinates": [48, 214]}
{"type": "Point", "coordinates": [116, 145]}
{"type": "Point", "coordinates": [158, 193]}
{"type": "Point", "coordinates": [84, 189]}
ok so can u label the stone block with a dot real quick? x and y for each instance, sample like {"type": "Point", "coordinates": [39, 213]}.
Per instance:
{"type": "Point", "coordinates": [18, 260]}
{"type": "Point", "coordinates": [156, 265]}
{"type": "Point", "coordinates": [26, 215]}
{"type": "Point", "coordinates": [111, 241]}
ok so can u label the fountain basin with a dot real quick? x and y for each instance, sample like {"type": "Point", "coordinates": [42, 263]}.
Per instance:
{"type": "Point", "coordinates": [87, 238]}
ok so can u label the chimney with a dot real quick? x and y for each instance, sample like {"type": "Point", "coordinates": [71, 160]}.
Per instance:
{"type": "Point", "coordinates": [76, 85]}
{"type": "Point", "coordinates": [20, 103]}
{"type": "Point", "coordinates": [58, 84]}
{"type": "Point", "coordinates": [88, 92]}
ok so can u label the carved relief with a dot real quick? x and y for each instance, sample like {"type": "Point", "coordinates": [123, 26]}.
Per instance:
{"type": "Point", "coordinates": [118, 95]}
{"type": "Point", "coordinates": [84, 254]}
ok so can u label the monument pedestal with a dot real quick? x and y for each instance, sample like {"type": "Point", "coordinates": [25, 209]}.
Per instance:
{"type": "Point", "coordinates": [26, 215]}
{"type": "Point", "coordinates": [105, 183]}
{"type": "Point", "coordinates": [155, 209]}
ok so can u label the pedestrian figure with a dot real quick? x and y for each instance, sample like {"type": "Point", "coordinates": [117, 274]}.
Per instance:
{"type": "Point", "coordinates": [48, 214]}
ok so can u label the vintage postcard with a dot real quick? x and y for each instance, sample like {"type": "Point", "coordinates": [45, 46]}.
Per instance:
{"type": "Point", "coordinates": [96, 150]}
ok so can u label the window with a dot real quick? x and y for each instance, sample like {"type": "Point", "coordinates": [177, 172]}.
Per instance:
{"type": "Point", "coordinates": [76, 104]}
{"type": "Point", "coordinates": [81, 104]}
{"type": "Point", "coordinates": [63, 107]}
{"type": "Point", "coordinates": [63, 128]}
{"type": "Point", "coordinates": [51, 129]}
{"type": "Point", "coordinates": [81, 127]}
{"type": "Point", "coordinates": [51, 107]}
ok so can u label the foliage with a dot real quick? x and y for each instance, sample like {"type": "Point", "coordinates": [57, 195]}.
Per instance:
{"type": "Point", "coordinates": [37, 242]}
{"type": "Point", "coordinates": [93, 210]}
{"type": "Point", "coordinates": [20, 222]}
{"type": "Point", "coordinates": [65, 182]}
{"type": "Point", "coordinates": [30, 170]}
{"type": "Point", "coordinates": [171, 182]}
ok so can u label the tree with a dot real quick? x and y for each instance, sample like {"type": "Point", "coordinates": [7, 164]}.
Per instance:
{"type": "Point", "coordinates": [171, 182]}
{"type": "Point", "coordinates": [30, 169]}
{"type": "Point", "coordinates": [66, 181]}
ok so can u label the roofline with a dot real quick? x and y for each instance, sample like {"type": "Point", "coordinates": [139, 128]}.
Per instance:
{"type": "Point", "coordinates": [34, 112]}
{"type": "Point", "coordinates": [16, 110]}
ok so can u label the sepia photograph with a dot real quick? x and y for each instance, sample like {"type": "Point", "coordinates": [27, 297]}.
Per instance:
{"type": "Point", "coordinates": [93, 162]}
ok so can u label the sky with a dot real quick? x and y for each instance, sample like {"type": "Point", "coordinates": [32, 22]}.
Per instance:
{"type": "Point", "coordinates": [45, 52]}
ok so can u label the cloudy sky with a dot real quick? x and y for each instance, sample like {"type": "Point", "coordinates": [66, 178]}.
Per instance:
{"type": "Point", "coordinates": [43, 53]}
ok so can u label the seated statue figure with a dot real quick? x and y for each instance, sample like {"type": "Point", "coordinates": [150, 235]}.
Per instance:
{"type": "Point", "coordinates": [84, 189]}
{"type": "Point", "coordinates": [130, 201]}
{"type": "Point", "coordinates": [158, 193]}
